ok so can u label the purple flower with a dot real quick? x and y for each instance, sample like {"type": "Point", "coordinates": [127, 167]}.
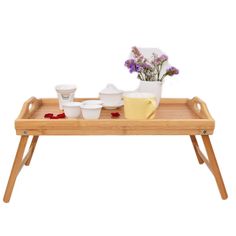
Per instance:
{"type": "Point", "coordinates": [129, 62]}
{"type": "Point", "coordinates": [133, 66]}
{"type": "Point", "coordinates": [149, 69]}
{"type": "Point", "coordinates": [161, 59]}
{"type": "Point", "coordinates": [139, 68]}
{"type": "Point", "coordinates": [172, 71]}
{"type": "Point", "coordinates": [136, 52]}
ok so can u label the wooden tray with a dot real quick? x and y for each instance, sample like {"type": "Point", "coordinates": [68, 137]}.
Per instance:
{"type": "Point", "coordinates": [174, 116]}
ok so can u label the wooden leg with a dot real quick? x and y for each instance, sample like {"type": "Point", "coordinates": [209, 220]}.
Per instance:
{"type": "Point", "coordinates": [15, 168]}
{"type": "Point", "coordinates": [32, 147]}
{"type": "Point", "coordinates": [214, 166]}
{"type": "Point", "coordinates": [195, 146]}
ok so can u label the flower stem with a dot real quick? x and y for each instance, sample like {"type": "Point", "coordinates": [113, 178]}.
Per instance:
{"type": "Point", "coordinates": [163, 76]}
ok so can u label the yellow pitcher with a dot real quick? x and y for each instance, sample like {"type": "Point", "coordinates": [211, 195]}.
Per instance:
{"type": "Point", "coordinates": [139, 105]}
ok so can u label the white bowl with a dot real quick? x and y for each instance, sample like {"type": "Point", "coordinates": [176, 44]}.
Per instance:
{"type": "Point", "coordinates": [91, 111]}
{"type": "Point", "coordinates": [92, 102]}
{"type": "Point", "coordinates": [72, 109]}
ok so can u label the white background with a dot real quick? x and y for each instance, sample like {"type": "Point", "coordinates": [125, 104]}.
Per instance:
{"type": "Point", "coordinates": [117, 185]}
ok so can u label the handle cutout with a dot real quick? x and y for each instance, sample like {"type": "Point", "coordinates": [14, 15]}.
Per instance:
{"type": "Point", "coordinates": [199, 106]}
{"type": "Point", "coordinates": [30, 106]}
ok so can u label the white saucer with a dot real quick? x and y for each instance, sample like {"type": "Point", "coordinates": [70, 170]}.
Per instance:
{"type": "Point", "coordinates": [114, 107]}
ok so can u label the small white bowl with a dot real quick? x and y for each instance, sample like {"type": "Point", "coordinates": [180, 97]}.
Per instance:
{"type": "Point", "coordinates": [72, 109]}
{"type": "Point", "coordinates": [92, 102]}
{"type": "Point", "coordinates": [91, 111]}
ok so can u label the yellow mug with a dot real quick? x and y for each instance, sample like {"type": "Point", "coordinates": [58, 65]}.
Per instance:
{"type": "Point", "coordinates": [139, 105]}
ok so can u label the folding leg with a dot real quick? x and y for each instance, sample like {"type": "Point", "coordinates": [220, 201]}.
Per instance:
{"type": "Point", "coordinates": [211, 162]}
{"type": "Point", "coordinates": [214, 166]}
{"type": "Point", "coordinates": [19, 163]}
{"type": "Point", "coordinates": [31, 149]}
{"type": "Point", "coordinates": [195, 146]}
{"type": "Point", "coordinates": [15, 168]}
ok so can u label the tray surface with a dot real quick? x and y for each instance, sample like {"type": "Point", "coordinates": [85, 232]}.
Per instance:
{"type": "Point", "coordinates": [173, 116]}
{"type": "Point", "coordinates": [164, 111]}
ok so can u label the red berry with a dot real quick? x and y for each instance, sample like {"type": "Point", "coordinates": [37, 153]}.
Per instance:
{"type": "Point", "coordinates": [54, 118]}
{"type": "Point", "coordinates": [48, 115]}
{"type": "Point", "coordinates": [62, 115]}
{"type": "Point", "coordinates": [51, 116]}
{"type": "Point", "coordinates": [115, 114]}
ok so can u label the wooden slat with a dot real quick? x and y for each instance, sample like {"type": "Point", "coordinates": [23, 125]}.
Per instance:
{"type": "Point", "coordinates": [85, 131]}
{"type": "Point", "coordinates": [123, 123]}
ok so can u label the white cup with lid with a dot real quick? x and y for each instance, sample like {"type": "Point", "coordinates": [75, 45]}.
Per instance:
{"type": "Point", "coordinates": [111, 97]}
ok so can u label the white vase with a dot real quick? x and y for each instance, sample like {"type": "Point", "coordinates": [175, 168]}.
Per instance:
{"type": "Point", "coordinates": [154, 87]}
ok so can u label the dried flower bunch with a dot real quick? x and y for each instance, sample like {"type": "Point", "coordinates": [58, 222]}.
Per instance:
{"type": "Point", "coordinates": [149, 70]}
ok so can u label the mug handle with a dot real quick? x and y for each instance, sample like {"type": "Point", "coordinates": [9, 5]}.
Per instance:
{"type": "Point", "coordinates": [153, 103]}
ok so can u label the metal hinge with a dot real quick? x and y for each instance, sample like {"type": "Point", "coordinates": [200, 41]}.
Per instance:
{"type": "Point", "coordinates": [25, 132]}
{"type": "Point", "coordinates": [204, 132]}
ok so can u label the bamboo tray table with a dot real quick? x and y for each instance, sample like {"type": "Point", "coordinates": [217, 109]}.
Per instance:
{"type": "Point", "coordinates": [173, 117]}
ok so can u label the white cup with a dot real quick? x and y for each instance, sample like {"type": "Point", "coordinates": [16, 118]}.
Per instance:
{"type": "Point", "coordinates": [92, 102]}
{"type": "Point", "coordinates": [72, 109]}
{"type": "Point", "coordinates": [91, 111]}
{"type": "Point", "coordinates": [65, 93]}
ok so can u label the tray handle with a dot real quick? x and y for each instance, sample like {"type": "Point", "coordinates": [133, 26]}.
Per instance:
{"type": "Point", "coordinates": [200, 108]}
{"type": "Point", "coordinates": [29, 107]}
